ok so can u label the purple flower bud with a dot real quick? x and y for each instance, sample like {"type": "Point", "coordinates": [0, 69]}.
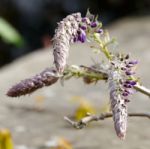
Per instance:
{"type": "Point", "coordinates": [129, 73]}
{"type": "Point", "coordinates": [93, 24]}
{"type": "Point", "coordinates": [82, 36]}
{"type": "Point", "coordinates": [100, 31]}
{"type": "Point", "coordinates": [132, 83]}
{"type": "Point", "coordinates": [127, 56]}
{"type": "Point", "coordinates": [127, 91]}
{"type": "Point", "coordinates": [127, 86]}
{"type": "Point", "coordinates": [133, 62]}
{"type": "Point", "coordinates": [127, 81]}
{"type": "Point", "coordinates": [112, 63]}
{"type": "Point", "coordinates": [75, 39]}
{"type": "Point", "coordinates": [129, 65]}
{"type": "Point", "coordinates": [125, 94]}
{"type": "Point", "coordinates": [126, 100]}
{"type": "Point", "coordinates": [84, 19]}
{"type": "Point", "coordinates": [123, 68]}
{"type": "Point", "coordinates": [83, 27]}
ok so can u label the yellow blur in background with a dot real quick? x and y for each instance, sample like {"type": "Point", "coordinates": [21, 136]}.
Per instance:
{"type": "Point", "coordinates": [6, 139]}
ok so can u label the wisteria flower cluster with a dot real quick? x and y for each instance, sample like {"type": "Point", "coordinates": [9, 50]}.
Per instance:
{"type": "Point", "coordinates": [118, 71]}
{"type": "Point", "coordinates": [121, 84]}
{"type": "Point", "coordinates": [72, 29]}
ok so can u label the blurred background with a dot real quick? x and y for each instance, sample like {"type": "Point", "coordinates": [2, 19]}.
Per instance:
{"type": "Point", "coordinates": [28, 25]}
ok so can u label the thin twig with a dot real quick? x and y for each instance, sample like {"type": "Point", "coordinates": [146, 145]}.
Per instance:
{"type": "Point", "coordinates": [102, 75]}
{"type": "Point", "coordinates": [89, 118]}
{"type": "Point", "coordinates": [142, 89]}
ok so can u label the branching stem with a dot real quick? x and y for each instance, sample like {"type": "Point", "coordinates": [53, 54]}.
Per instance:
{"type": "Point", "coordinates": [84, 71]}
{"type": "Point", "coordinates": [89, 118]}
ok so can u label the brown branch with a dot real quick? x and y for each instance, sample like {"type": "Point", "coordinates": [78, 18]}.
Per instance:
{"type": "Point", "coordinates": [89, 118]}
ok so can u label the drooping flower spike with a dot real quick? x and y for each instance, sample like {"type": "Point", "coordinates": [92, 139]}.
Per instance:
{"type": "Point", "coordinates": [121, 85]}
{"type": "Point", "coordinates": [65, 34]}
{"type": "Point", "coordinates": [72, 29]}
{"type": "Point", "coordinates": [27, 86]}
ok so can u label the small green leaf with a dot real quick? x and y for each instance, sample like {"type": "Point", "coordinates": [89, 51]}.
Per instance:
{"type": "Point", "coordinates": [9, 34]}
{"type": "Point", "coordinates": [89, 15]}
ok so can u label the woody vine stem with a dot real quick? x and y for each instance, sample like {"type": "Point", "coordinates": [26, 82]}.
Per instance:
{"type": "Point", "coordinates": [118, 71]}
{"type": "Point", "coordinates": [89, 118]}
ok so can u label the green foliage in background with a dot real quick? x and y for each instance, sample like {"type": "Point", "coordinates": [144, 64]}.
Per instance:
{"type": "Point", "coordinates": [9, 34]}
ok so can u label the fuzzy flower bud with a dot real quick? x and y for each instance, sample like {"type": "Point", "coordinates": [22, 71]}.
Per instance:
{"type": "Point", "coordinates": [93, 24]}
{"type": "Point", "coordinates": [82, 36]}
{"type": "Point", "coordinates": [65, 34]}
{"type": "Point", "coordinates": [71, 29]}
{"type": "Point", "coordinates": [118, 104]}
{"type": "Point", "coordinates": [27, 86]}
{"type": "Point", "coordinates": [121, 86]}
